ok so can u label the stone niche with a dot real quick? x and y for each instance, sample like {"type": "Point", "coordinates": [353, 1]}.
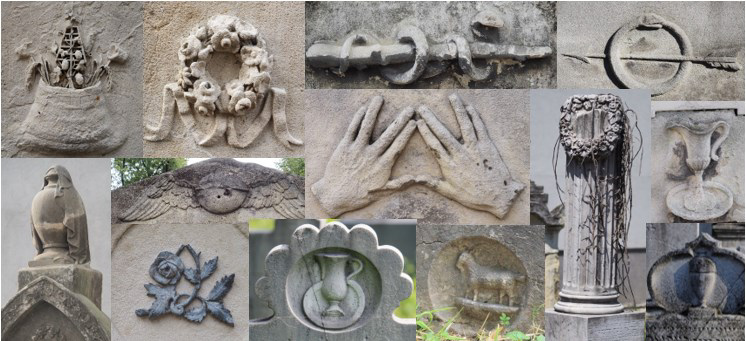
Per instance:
{"type": "Point", "coordinates": [73, 79]}
{"type": "Point", "coordinates": [212, 191]}
{"type": "Point", "coordinates": [482, 271]}
{"type": "Point", "coordinates": [354, 179]}
{"type": "Point", "coordinates": [333, 283]}
{"type": "Point", "coordinates": [504, 45]}
{"type": "Point", "coordinates": [699, 291]}
{"type": "Point", "coordinates": [146, 269]}
{"type": "Point", "coordinates": [692, 52]}
{"type": "Point", "coordinates": [257, 109]}
{"type": "Point", "coordinates": [700, 175]}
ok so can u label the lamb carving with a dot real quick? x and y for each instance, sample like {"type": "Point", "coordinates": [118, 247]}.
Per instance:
{"type": "Point", "coordinates": [501, 285]}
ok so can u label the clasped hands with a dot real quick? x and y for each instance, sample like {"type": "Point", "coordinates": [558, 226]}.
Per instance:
{"type": "Point", "coordinates": [359, 170]}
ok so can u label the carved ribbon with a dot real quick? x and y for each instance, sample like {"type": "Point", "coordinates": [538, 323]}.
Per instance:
{"type": "Point", "coordinates": [223, 125]}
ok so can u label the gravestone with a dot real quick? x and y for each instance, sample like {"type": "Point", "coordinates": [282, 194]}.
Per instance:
{"type": "Point", "coordinates": [701, 292]}
{"type": "Point", "coordinates": [73, 78]}
{"type": "Point", "coordinates": [180, 281]}
{"type": "Point", "coordinates": [224, 79]}
{"type": "Point", "coordinates": [481, 272]}
{"type": "Point", "coordinates": [700, 176]}
{"type": "Point", "coordinates": [552, 222]}
{"type": "Point", "coordinates": [596, 136]}
{"type": "Point", "coordinates": [430, 45]}
{"type": "Point", "coordinates": [59, 294]}
{"type": "Point", "coordinates": [333, 283]}
{"type": "Point", "coordinates": [436, 156]}
{"type": "Point", "coordinates": [215, 190]}
{"type": "Point", "coordinates": [677, 52]}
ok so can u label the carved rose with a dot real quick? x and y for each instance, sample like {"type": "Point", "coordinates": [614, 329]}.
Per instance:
{"type": "Point", "coordinates": [167, 268]}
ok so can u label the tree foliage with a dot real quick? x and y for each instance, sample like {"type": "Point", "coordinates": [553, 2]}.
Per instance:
{"type": "Point", "coordinates": [295, 166]}
{"type": "Point", "coordinates": [126, 171]}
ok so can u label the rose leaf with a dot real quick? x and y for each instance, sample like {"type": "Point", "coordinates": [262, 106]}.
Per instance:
{"type": "Point", "coordinates": [196, 314]}
{"type": "Point", "coordinates": [221, 288]}
{"type": "Point", "coordinates": [220, 312]}
{"type": "Point", "coordinates": [209, 267]}
{"type": "Point", "coordinates": [191, 275]}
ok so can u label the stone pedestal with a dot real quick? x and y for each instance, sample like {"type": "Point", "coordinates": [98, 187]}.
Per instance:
{"type": "Point", "coordinates": [76, 278]}
{"type": "Point", "coordinates": [613, 327]}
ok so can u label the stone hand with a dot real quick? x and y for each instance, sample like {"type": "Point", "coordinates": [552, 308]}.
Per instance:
{"type": "Point", "coordinates": [358, 171]}
{"type": "Point", "coordinates": [474, 174]}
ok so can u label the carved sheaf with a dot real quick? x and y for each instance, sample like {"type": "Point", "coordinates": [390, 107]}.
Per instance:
{"type": "Point", "coordinates": [411, 45]}
{"type": "Point", "coordinates": [219, 192]}
{"type": "Point", "coordinates": [248, 97]}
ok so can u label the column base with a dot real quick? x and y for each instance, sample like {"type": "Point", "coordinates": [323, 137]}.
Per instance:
{"type": "Point", "coordinates": [79, 279]}
{"type": "Point", "coordinates": [588, 305]}
{"type": "Point", "coordinates": [626, 326]}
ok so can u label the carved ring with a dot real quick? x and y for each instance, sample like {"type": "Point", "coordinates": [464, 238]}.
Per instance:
{"type": "Point", "coordinates": [415, 36]}
{"type": "Point", "coordinates": [649, 22]}
{"type": "Point", "coordinates": [598, 146]}
{"type": "Point", "coordinates": [463, 52]}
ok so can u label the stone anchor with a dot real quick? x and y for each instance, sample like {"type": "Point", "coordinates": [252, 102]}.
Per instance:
{"type": "Point", "coordinates": [617, 55]}
{"type": "Point", "coordinates": [59, 294]}
{"type": "Point", "coordinates": [361, 50]}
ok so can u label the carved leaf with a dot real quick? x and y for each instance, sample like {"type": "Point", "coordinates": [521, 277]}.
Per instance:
{"type": "Point", "coordinates": [221, 288]}
{"type": "Point", "coordinates": [191, 275]}
{"type": "Point", "coordinates": [196, 314]}
{"type": "Point", "coordinates": [220, 312]}
{"type": "Point", "coordinates": [209, 267]}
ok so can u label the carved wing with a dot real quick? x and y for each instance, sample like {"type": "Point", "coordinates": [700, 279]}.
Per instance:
{"type": "Point", "coordinates": [159, 198]}
{"type": "Point", "coordinates": [286, 197]}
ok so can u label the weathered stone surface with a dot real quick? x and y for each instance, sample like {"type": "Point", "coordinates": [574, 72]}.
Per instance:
{"type": "Point", "coordinates": [86, 98]}
{"type": "Point", "coordinates": [216, 190]}
{"type": "Point", "coordinates": [45, 309]}
{"type": "Point", "coordinates": [481, 270]}
{"type": "Point", "coordinates": [77, 278]}
{"type": "Point", "coordinates": [333, 283]}
{"type": "Point", "coordinates": [430, 45]}
{"type": "Point", "coordinates": [701, 292]}
{"type": "Point", "coordinates": [664, 238]}
{"type": "Point", "coordinates": [552, 222]}
{"type": "Point", "coordinates": [676, 51]}
{"type": "Point", "coordinates": [351, 177]}
{"type": "Point", "coordinates": [21, 181]}
{"type": "Point", "coordinates": [237, 127]}
{"type": "Point", "coordinates": [627, 326]}
{"type": "Point", "coordinates": [134, 248]}
{"type": "Point", "coordinates": [700, 176]}
{"type": "Point", "coordinates": [730, 234]}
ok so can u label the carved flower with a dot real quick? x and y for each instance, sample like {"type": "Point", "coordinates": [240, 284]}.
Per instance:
{"type": "Point", "coordinates": [253, 55]}
{"type": "Point", "coordinates": [167, 268]}
{"type": "Point", "coordinates": [189, 48]}
{"type": "Point", "coordinates": [226, 41]}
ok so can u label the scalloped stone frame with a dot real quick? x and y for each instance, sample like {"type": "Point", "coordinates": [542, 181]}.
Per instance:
{"type": "Point", "coordinates": [277, 288]}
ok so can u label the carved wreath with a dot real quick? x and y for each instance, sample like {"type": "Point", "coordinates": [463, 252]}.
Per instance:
{"type": "Point", "coordinates": [598, 146]}
{"type": "Point", "coordinates": [250, 95]}
{"type": "Point", "coordinates": [167, 270]}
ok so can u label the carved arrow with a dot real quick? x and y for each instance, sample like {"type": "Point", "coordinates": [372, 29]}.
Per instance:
{"type": "Point", "coordinates": [719, 62]}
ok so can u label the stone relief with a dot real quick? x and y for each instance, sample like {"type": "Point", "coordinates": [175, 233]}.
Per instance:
{"type": "Point", "coordinates": [700, 289]}
{"type": "Point", "coordinates": [333, 283]}
{"type": "Point", "coordinates": [577, 135]}
{"type": "Point", "coordinates": [48, 332]}
{"type": "Point", "coordinates": [58, 222]}
{"type": "Point", "coordinates": [474, 173]}
{"type": "Point", "coordinates": [322, 302]}
{"type": "Point", "coordinates": [620, 53]}
{"type": "Point", "coordinates": [167, 271]}
{"type": "Point", "coordinates": [218, 186]}
{"type": "Point", "coordinates": [501, 290]}
{"type": "Point", "coordinates": [361, 50]}
{"type": "Point", "coordinates": [699, 199]}
{"type": "Point", "coordinates": [197, 95]}
{"type": "Point", "coordinates": [69, 113]}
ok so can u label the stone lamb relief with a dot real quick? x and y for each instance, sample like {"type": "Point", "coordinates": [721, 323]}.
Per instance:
{"type": "Point", "coordinates": [60, 295]}
{"type": "Point", "coordinates": [700, 291]}
{"type": "Point", "coordinates": [628, 47]}
{"type": "Point", "coordinates": [201, 101]}
{"type": "Point", "coordinates": [333, 283]}
{"type": "Point", "coordinates": [209, 190]}
{"type": "Point", "coordinates": [69, 113]}
{"type": "Point", "coordinates": [474, 173]}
